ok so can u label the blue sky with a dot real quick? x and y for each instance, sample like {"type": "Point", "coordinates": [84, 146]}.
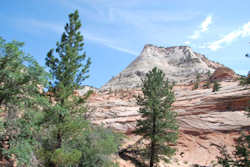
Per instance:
{"type": "Point", "coordinates": [115, 31]}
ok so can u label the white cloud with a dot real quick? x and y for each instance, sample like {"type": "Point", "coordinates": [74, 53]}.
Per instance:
{"type": "Point", "coordinates": [242, 32]}
{"type": "Point", "coordinates": [187, 42]}
{"type": "Point", "coordinates": [202, 28]}
{"type": "Point", "coordinates": [206, 23]}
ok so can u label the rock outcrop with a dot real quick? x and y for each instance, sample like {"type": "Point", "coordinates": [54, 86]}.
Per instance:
{"type": "Point", "coordinates": [180, 64]}
{"type": "Point", "coordinates": [223, 73]}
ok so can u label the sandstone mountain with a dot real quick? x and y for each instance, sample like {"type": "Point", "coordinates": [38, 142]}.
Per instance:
{"type": "Point", "coordinates": [206, 118]}
{"type": "Point", "coordinates": [180, 64]}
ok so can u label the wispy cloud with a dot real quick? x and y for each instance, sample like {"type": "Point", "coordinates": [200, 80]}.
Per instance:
{"type": "Point", "coordinates": [242, 32]}
{"type": "Point", "coordinates": [187, 42]}
{"type": "Point", "coordinates": [206, 23]}
{"type": "Point", "coordinates": [58, 28]}
{"type": "Point", "coordinates": [202, 28]}
{"type": "Point", "coordinates": [108, 43]}
{"type": "Point", "coordinates": [124, 22]}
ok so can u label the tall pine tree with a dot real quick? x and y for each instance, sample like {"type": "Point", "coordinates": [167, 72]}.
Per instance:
{"type": "Point", "coordinates": [67, 68]}
{"type": "Point", "coordinates": [158, 123]}
{"type": "Point", "coordinates": [69, 139]}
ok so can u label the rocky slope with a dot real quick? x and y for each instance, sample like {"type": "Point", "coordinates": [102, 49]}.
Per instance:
{"type": "Point", "coordinates": [180, 64]}
{"type": "Point", "coordinates": [206, 118]}
{"type": "Point", "coordinates": [199, 110]}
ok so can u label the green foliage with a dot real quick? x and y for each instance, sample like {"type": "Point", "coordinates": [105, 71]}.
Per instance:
{"type": "Point", "coordinates": [83, 144]}
{"type": "Point", "coordinates": [216, 86]}
{"type": "Point", "coordinates": [20, 78]}
{"type": "Point", "coordinates": [158, 123]}
{"type": "Point", "coordinates": [244, 80]}
{"type": "Point", "coordinates": [226, 159]}
{"type": "Point", "coordinates": [67, 68]}
{"type": "Point", "coordinates": [68, 73]}
{"type": "Point", "coordinates": [63, 157]}
{"type": "Point", "coordinates": [66, 132]}
{"type": "Point", "coordinates": [208, 81]}
{"type": "Point", "coordinates": [99, 144]}
{"type": "Point", "coordinates": [248, 109]}
{"type": "Point", "coordinates": [197, 82]}
{"type": "Point", "coordinates": [241, 155]}
{"type": "Point", "coordinates": [196, 85]}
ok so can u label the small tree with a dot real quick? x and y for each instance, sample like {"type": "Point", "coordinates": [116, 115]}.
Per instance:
{"type": "Point", "coordinates": [216, 86]}
{"type": "Point", "coordinates": [158, 123]}
{"type": "Point", "coordinates": [240, 157]}
{"type": "Point", "coordinates": [208, 81]}
{"type": "Point", "coordinates": [197, 82]}
{"type": "Point", "coordinates": [245, 80]}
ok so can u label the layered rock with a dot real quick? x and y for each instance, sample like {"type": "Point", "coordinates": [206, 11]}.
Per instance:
{"type": "Point", "coordinates": [223, 73]}
{"type": "Point", "coordinates": [199, 110]}
{"type": "Point", "coordinates": [205, 118]}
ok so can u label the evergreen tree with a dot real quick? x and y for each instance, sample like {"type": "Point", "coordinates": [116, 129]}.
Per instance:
{"type": "Point", "coordinates": [67, 68]}
{"type": "Point", "coordinates": [21, 81]}
{"type": "Point", "coordinates": [69, 139]}
{"type": "Point", "coordinates": [158, 123]}
{"type": "Point", "coordinates": [216, 86]}
{"type": "Point", "coordinates": [240, 157]}
{"type": "Point", "coordinates": [197, 82]}
{"type": "Point", "coordinates": [208, 81]}
{"type": "Point", "coordinates": [245, 80]}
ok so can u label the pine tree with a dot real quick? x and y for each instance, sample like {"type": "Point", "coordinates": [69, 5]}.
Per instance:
{"type": "Point", "coordinates": [240, 157]}
{"type": "Point", "coordinates": [245, 80]}
{"type": "Point", "coordinates": [216, 86]}
{"type": "Point", "coordinates": [158, 123]}
{"type": "Point", "coordinates": [69, 139]}
{"type": "Point", "coordinates": [197, 82]}
{"type": "Point", "coordinates": [20, 96]}
{"type": "Point", "coordinates": [67, 69]}
{"type": "Point", "coordinates": [208, 81]}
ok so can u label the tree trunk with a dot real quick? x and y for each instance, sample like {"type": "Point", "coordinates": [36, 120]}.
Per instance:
{"type": "Point", "coordinates": [152, 149]}
{"type": "Point", "coordinates": [152, 155]}
{"type": "Point", "coordinates": [59, 135]}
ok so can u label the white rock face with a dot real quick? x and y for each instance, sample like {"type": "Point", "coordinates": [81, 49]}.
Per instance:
{"type": "Point", "coordinates": [85, 89]}
{"type": "Point", "coordinates": [180, 64]}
